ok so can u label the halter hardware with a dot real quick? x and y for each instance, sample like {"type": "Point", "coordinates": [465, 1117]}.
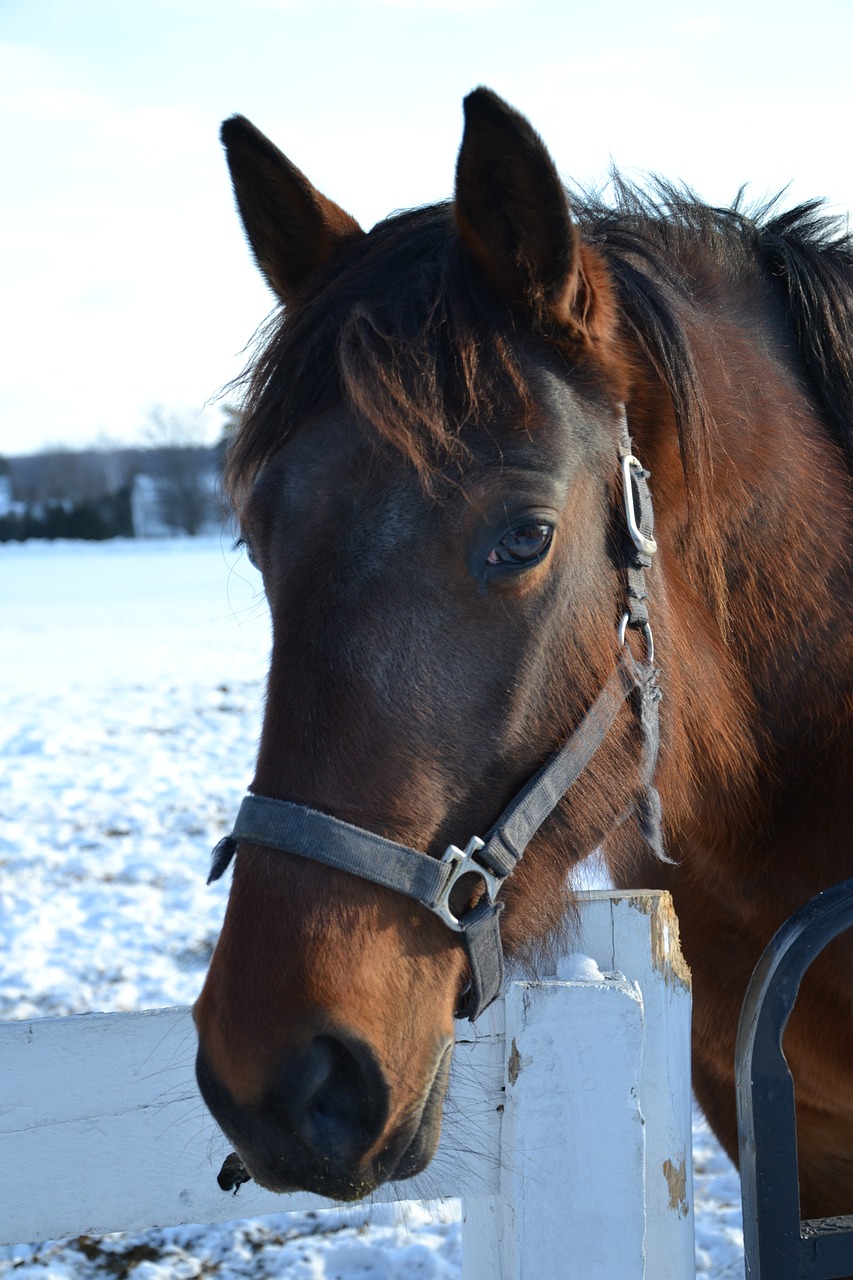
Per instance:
{"type": "Point", "coordinates": [320, 837]}
{"type": "Point", "coordinates": [624, 623]}
{"type": "Point", "coordinates": [645, 544]}
{"type": "Point", "coordinates": [464, 862]}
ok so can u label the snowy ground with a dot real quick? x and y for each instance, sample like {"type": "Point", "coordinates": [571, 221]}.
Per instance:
{"type": "Point", "coordinates": [128, 719]}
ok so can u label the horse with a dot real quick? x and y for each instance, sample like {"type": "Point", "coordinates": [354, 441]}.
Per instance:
{"type": "Point", "coordinates": [444, 470]}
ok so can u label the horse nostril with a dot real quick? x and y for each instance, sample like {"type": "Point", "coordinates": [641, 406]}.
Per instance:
{"type": "Point", "coordinates": [333, 1097]}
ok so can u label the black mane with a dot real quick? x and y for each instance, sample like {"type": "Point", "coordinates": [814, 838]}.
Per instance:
{"type": "Point", "coordinates": [658, 238]}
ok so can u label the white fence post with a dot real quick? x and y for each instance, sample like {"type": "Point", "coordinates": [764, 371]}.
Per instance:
{"type": "Point", "coordinates": [636, 933]}
{"type": "Point", "coordinates": [567, 1130]}
{"type": "Point", "coordinates": [596, 1173]}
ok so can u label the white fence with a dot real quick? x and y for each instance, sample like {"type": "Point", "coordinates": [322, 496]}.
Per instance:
{"type": "Point", "coordinates": [567, 1130]}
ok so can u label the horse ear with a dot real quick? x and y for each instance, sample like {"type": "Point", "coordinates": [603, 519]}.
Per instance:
{"type": "Point", "coordinates": [291, 227]}
{"type": "Point", "coordinates": [512, 211]}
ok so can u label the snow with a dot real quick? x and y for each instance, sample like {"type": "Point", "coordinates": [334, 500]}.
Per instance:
{"type": "Point", "coordinates": [391, 1242]}
{"type": "Point", "coordinates": [575, 967]}
{"type": "Point", "coordinates": [129, 716]}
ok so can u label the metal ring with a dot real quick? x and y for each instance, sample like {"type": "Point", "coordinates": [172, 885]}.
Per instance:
{"type": "Point", "coordinates": [647, 633]}
{"type": "Point", "coordinates": [463, 863]}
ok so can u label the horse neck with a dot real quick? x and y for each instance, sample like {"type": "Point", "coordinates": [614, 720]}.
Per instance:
{"type": "Point", "coordinates": [754, 670]}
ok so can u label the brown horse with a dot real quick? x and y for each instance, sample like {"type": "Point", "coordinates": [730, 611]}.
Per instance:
{"type": "Point", "coordinates": [428, 474]}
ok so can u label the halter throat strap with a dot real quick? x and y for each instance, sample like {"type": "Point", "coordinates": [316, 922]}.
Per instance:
{"type": "Point", "coordinates": [309, 833]}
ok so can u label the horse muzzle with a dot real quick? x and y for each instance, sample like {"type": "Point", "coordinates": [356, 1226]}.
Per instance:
{"type": "Point", "coordinates": [322, 1125]}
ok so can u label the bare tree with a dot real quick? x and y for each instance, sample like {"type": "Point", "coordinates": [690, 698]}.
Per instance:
{"type": "Point", "coordinates": [59, 474]}
{"type": "Point", "coordinates": [182, 467]}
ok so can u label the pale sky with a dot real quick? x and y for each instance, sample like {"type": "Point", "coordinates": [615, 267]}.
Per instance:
{"type": "Point", "coordinates": [125, 282]}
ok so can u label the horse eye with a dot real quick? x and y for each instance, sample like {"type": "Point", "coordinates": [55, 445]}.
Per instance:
{"type": "Point", "coordinates": [523, 545]}
{"type": "Point", "coordinates": [241, 543]}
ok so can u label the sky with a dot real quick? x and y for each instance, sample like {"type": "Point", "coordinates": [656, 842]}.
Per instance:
{"type": "Point", "coordinates": [125, 282]}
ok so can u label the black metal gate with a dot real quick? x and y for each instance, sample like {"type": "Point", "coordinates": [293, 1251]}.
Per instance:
{"type": "Point", "coordinates": [778, 1246]}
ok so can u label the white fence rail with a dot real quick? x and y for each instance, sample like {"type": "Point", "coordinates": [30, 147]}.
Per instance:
{"type": "Point", "coordinates": [567, 1130]}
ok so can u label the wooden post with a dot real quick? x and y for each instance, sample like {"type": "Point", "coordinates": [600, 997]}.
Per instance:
{"type": "Point", "coordinates": [566, 1134]}
{"type": "Point", "coordinates": [596, 1171]}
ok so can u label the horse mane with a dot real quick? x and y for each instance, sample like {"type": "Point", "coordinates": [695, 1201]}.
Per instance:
{"type": "Point", "coordinates": [661, 240]}
{"type": "Point", "coordinates": [403, 329]}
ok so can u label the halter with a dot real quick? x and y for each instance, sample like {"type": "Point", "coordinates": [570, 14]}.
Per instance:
{"type": "Point", "coordinates": [294, 828]}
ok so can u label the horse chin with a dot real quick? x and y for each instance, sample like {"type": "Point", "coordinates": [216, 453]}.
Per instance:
{"type": "Point", "coordinates": [423, 1144]}
{"type": "Point", "coordinates": [341, 1185]}
{"type": "Point", "coordinates": [343, 1189]}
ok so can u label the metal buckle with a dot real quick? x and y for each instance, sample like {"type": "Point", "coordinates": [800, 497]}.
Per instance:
{"type": "Point", "coordinates": [463, 863]}
{"type": "Point", "coordinates": [647, 545]}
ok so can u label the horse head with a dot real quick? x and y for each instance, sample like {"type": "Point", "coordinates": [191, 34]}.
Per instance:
{"type": "Point", "coordinates": [427, 476]}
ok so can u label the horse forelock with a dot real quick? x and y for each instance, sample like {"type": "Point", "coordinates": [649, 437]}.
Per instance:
{"type": "Point", "coordinates": [404, 334]}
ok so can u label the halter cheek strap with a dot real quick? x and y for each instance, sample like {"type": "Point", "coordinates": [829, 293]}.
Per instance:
{"type": "Point", "coordinates": [296, 829]}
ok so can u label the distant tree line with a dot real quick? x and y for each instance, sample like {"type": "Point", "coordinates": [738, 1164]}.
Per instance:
{"type": "Point", "coordinates": [94, 519]}
{"type": "Point", "coordinates": [168, 486]}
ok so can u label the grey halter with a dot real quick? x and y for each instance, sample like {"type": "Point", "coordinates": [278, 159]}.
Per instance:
{"type": "Point", "coordinates": [294, 828]}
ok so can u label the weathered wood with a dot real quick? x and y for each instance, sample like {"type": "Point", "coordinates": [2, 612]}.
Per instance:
{"type": "Point", "coordinates": [102, 1129]}
{"type": "Point", "coordinates": [563, 1101]}
{"type": "Point", "coordinates": [636, 933]}
{"type": "Point", "coordinates": [596, 1158]}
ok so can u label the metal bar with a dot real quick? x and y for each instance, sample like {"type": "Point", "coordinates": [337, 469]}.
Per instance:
{"type": "Point", "coordinates": [827, 1248]}
{"type": "Point", "coordinates": [775, 1245]}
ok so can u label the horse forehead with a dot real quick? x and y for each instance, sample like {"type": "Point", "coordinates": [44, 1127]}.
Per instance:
{"type": "Point", "coordinates": [333, 492]}
{"type": "Point", "coordinates": [331, 475]}
{"type": "Point", "coordinates": [329, 465]}
{"type": "Point", "coordinates": [393, 511]}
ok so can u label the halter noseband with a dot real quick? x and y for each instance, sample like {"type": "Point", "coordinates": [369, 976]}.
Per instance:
{"type": "Point", "coordinates": [294, 828]}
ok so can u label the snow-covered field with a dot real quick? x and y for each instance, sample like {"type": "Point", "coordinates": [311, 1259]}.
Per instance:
{"type": "Point", "coordinates": [129, 711]}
